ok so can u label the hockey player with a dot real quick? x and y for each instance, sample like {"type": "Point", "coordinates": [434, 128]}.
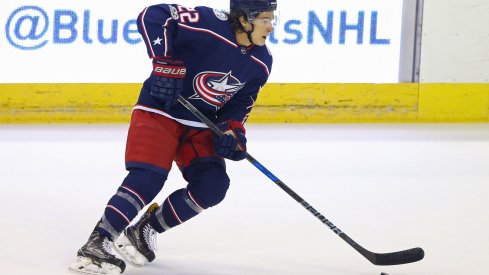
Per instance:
{"type": "Point", "coordinates": [219, 62]}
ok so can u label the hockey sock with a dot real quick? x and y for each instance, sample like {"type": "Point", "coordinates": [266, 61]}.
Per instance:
{"type": "Point", "coordinates": [208, 183]}
{"type": "Point", "coordinates": [179, 207]}
{"type": "Point", "coordinates": [139, 188]}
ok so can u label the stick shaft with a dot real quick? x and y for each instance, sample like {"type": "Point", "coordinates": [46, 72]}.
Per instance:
{"type": "Point", "coordinates": [262, 168]}
{"type": "Point", "coordinates": [394, 258]}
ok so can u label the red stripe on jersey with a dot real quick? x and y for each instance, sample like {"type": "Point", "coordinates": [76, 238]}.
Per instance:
{"type": "Point", "coordinates": [261, 63]}
{"type": "Point", "coordinates": [146, 37]}
{"type": "Point", "coordinates": [165, 33]}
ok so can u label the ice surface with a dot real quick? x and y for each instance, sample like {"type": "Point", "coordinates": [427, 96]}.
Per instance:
{"type": "Point", "coordinates": [388, 186]}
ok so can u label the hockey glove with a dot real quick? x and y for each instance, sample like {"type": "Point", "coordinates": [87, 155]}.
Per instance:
{"type": "Point", "coordinates": [232, 144]}
{"type": "Point", "coordinates": [167, 80]}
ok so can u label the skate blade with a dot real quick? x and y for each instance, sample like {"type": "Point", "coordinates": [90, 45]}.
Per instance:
{"type": "Point", "coordinates": [124, 247]}
{"type": "Point", "coordinates": [86, 266]}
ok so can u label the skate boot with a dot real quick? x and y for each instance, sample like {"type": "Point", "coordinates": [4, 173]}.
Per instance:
{"type": "Point", "coordinates": [138, 242]}
{"type": "Point", "coordinates": [95, 257]}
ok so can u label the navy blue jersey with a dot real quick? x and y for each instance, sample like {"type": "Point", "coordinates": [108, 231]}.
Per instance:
{"type": "Point", "coordinates": [223, 78]}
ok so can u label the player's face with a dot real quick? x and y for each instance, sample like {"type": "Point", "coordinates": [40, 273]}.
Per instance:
{"type": "Point", "coordinates": [264, 24]}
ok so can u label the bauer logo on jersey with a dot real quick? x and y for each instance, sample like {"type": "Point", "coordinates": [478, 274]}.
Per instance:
{"type": "Point", "coordinates": [216, 88]}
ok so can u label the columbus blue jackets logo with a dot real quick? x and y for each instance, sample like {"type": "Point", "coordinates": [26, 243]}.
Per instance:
{"type": "Point", "coordinates": [216, 88]}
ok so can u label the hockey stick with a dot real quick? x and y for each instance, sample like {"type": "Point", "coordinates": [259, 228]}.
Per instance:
{"type": "Point", "coordinates": [393, 258]}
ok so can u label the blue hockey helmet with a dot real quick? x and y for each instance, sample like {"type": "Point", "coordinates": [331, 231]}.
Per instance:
{"type": "Point", "coordinates": [253, 7]}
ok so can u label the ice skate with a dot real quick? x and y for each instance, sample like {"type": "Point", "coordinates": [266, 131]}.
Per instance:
{"type": "Point", "coordinates": [95, 257]}
{"type": "Point", "coordinates": [138, 242]}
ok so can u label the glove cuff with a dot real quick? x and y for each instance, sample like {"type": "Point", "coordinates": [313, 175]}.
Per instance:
{"type": "Point", "coordinates": [232, 124]}
{"type": "Point", "coordinates": [168, 68]}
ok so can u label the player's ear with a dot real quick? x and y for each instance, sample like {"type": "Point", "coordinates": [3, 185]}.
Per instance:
{"type": "Point", "coordinates": [246, 25]}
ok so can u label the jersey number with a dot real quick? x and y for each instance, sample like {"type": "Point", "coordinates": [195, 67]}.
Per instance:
{"type": "Point", "coordinates": [188, 15]}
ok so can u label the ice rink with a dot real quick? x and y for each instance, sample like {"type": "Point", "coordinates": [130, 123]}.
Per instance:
{"type": "Point", "coordinates": [388, 186]}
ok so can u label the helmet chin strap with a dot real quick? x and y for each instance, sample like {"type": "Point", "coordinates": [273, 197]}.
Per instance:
{"type": "Point", "coordinates": [248, 33]}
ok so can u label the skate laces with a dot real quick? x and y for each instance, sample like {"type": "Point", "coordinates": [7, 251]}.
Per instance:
{"type": "Point", "coordinates": [149, 235]}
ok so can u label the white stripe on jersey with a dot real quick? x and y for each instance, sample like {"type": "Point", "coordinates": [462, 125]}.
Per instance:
{"type": "Point", "coordinates": [166, 35]}
{"type": "Point", "coordinates": [146, 37]}
{"type": "Point", "coordinates": [182, 121]}
{"type": "Point", "coordinates": [261, 63]}
{"type": "Point", "coordinates": [245, 118]}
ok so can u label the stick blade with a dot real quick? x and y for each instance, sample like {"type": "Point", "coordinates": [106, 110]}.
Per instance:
{"type": "Point", "coordinates": [400, 257]}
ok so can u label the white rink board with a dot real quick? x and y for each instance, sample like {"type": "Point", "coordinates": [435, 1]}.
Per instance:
{"type": "Point", "coordinates": [316, 41]}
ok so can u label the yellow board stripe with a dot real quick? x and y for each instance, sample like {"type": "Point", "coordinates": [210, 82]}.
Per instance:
{"type": "Point", "coordinates": [454, 102]}
{"type": "Point", "coordinates": [277, 103]}
{"type": "Point", "coordinates": [67, 103]}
